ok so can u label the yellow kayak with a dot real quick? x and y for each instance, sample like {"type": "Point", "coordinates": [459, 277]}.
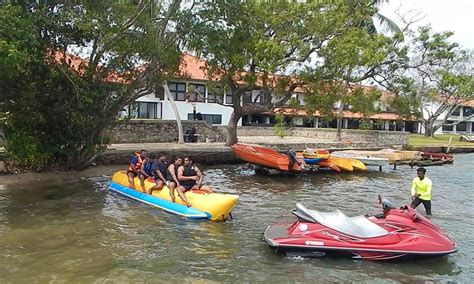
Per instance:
{"type": "Point", "coordinates": [358, 165]}
{"type": "Point", "coordinates": [214, 206]}
{"type": "Point", "coordinates": [344, 164]}
{"type": "Point", "coordinates": [348, 164]}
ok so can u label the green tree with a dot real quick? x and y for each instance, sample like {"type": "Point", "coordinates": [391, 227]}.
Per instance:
{"type": "Point", "coordinates": [279, 127]}
{"type": "Point", "coordinates": [58, 106]}
{"type": "Point", "coordinates": [434, 78]}
{"type": "Point", "coordinates": [347, 62]}
{"type": "Point", "coordinates": [246, 43]}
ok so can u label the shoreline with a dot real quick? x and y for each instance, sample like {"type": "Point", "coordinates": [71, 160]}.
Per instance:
{"type": "Point", "coordinates": [118, 155]}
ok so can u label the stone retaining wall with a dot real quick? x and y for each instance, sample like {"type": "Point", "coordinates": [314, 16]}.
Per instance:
{"type": "Point", "coordinates": [156, 131]}
{"type": "Point", "coordinates": [159, 131]}
{"type": "Point", "coordinates": [376, 137]}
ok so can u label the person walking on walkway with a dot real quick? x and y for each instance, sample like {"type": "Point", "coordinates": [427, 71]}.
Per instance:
{"type": "Point", "coordinates": [421, 191]}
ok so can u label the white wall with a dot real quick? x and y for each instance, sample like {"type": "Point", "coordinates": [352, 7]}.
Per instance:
{"type": "Point", "coordinates": [434, 106]}
{"type": "Point", "coordinates": [185, 108]}
{"type": "Point", "coordinates": [204, 108]}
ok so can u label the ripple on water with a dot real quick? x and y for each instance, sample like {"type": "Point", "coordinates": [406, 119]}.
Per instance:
{"type": "Point", "coordinates": [77, 231]}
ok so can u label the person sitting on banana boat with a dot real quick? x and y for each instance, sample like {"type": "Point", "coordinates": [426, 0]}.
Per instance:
{"type": "Point", "coordinates": [135, 168]}
{"type": "Point", "coordinates": [159, 171]}
{"type": "Point", "coordinates": [190, 177]}
{"type": "Point", "coordinates": [172, 180]}
{"type": "Point", "coordinates": [146, 170]}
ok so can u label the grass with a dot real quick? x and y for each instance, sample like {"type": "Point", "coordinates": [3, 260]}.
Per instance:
{"type": "Point", "coordinates": [416, 140]}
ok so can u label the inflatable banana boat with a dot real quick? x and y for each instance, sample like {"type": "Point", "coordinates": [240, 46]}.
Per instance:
{"type": "Point", "coordinates": [214, 206]}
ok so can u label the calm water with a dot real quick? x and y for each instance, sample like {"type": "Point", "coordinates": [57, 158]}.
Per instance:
{"type": "Point", "coordinates": [68, 228]}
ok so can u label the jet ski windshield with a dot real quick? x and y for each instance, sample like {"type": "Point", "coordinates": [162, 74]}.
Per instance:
{"type": "Point", "coordinates": [387, 205]}
{"type": "Point", "coordinates": [357, 226]}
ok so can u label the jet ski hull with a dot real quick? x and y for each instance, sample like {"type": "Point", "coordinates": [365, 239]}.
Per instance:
{"type": "Point", "coordinates": [407, 236]}
{"type": "Point", "coordinates": [318, 249]}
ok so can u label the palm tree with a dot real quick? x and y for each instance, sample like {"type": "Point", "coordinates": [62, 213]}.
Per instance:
{"type": "Point", "coordinates": [378, 18]}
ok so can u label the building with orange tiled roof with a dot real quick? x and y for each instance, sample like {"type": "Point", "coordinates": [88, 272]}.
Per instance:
{"type": "Point", "coordinates": [216, 108]}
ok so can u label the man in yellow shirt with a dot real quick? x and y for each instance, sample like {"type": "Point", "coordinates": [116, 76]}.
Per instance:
{"type": "Point", "coordinates": [421, 191]}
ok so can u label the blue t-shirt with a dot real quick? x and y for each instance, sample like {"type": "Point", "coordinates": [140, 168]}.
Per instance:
{"type": "Point", "coordinates": [162, 167]}
{"type": "Point", "coordinates": [148, 168]}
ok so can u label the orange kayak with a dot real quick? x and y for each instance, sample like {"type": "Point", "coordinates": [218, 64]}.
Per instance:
{"type": "Point", "coordinates": [263, 156]}
{"type": "Point", "coordinates": [329, 164]}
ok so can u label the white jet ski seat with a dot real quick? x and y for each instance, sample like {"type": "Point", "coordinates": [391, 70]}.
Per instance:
{"type": "Point", "coordinates": [358, 226]}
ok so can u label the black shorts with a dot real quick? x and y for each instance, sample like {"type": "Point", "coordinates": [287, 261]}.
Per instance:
{"type": "Point", "coordinates": [134, 173]}
{"type": "Point", "coordinates": [188, 186]}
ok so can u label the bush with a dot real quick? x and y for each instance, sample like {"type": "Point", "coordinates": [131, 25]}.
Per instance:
{"type": "Point", "coordinates": [279, 127]}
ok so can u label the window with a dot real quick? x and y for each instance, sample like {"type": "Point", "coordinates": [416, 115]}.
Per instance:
{"type": "Point", "coordinates": [160, 92]}
{"type": "Point", "coordinates": [229, 99]}
{"type": "Point", "coordinates": [209, 118]}
{"type": "Point", "coordinates": [461, 127]}
{"type": "Point", "coordinates": [248, 98]}
{"type": "Point", "coordinates": [178, 91]}
{"type": "Point", "coordinates": [217, 95]}
{"type": "Point", "coordinates": [199, 95]}
{"type": "Point", "coordinates": [352, 124]}
{"type": "Point", "coordinates": [456, 112]}
{"type": "Point", "coordinates": [260, 98]}
{"type": "Point", "coordinates": [466, 111]}
{"type": "Point", "coordinates": [300, 98]}
{"type": "Point", "coordinates": [448, 128]}
{"type": "Point", "coordinates": [145, 110]}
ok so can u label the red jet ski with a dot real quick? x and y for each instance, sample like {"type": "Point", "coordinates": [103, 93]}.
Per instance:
{"type": "Point", "coordinates": [397, 233]}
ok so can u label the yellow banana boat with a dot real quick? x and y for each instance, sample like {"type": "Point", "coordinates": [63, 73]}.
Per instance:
{"type": "Point", "coordinates": [214, 206]}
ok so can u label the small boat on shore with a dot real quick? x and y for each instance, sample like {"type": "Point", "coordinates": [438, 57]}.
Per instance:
{"type": "Point", "coordinates": [441, 156]}
{"type": "Point", "coordinates": [263, 156]}
{"type": "Point", "coordinates": [390, 154]}
{"type": "Point", "coordinates": [367, 160]}
{"type": "Point", "coordinates": [214, 206]}
{"type": "Point", "coordinates": [330, 165]}
{"type": "Point", "coordinates": [312, 156]}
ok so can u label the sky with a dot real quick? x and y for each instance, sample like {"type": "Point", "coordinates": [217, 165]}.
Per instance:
{"type": "Point", "coordinates": [443, 15]}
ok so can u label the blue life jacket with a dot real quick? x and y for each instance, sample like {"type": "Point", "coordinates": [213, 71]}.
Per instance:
{"type": "Point", "coordinates": [148, 168]}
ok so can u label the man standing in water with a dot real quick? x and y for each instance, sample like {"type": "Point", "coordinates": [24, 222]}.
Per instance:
{"type": "Point", "coordinates": [421, 191]}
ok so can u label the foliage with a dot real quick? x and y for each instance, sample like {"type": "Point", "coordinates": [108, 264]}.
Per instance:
{"type": "Point", "coordinates": [365, 124]}
{"type": "Point", "coordinates": [293, 102]}
{"type": "Point", "coordinates": [58, 105]}
{"type": "Point", "coordinates": [246, 42]}
{"type": "Point", "coordinates": [346, 62]}
{"type": "Point", "coordinates": [434, 77]}
{"type": "Point", "coordinates": [279, 127]}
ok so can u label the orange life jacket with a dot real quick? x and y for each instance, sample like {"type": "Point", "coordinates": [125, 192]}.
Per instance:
{"type": "Point", "coordinates": [139, 163]}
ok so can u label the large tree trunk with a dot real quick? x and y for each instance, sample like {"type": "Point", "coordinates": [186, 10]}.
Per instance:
{"type": "Point", "coordinates": [339, 129]}
{"type": "Point", "coordinates": [176, 113]}
{"type": "Point", "coordinates": [339, 121]}
{"type": "Point", "coordinates": [232, 128]}
{"type": "Point", "coordinates": [429, 128]}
